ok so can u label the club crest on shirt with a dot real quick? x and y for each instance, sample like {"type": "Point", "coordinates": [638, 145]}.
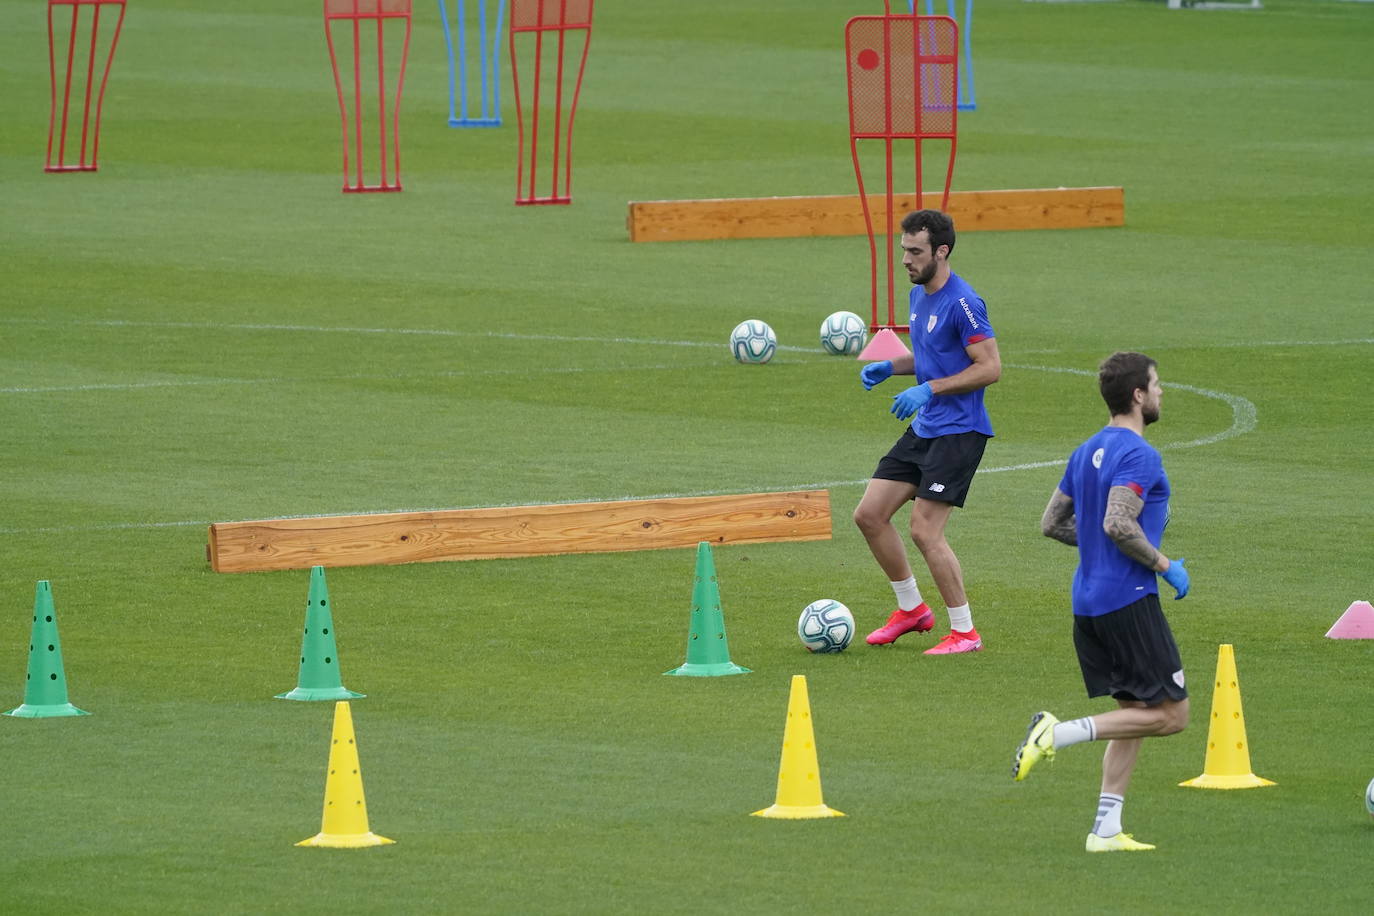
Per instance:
{"type": "Point", "coordinates": [930, 325]}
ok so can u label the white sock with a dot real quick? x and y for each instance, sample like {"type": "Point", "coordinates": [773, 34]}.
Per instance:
{"type": "Point", "coordinates": [1075, 731]}
{"type": "Point", "coordinates": [908, 595]}
{"type": "Point", "coordinates": [961, 618]}
{"type": "Point", "coordinates": [1108, 821]}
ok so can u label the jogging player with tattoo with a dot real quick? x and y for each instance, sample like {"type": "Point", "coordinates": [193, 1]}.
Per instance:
{"type": "Point", "coordinates": [1115, 484]}
{"type": "Point", "coordinates": [954, 357]}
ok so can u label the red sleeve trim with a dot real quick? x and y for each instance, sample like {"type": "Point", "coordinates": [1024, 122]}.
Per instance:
{"type": "Point", "coordinates": [975, 338]}
{"type": "Point", "coordinates": [1137, 489]}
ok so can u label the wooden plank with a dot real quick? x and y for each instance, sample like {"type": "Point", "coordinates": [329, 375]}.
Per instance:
{"type": "Point", "coordinates": [793, 217]}
{"type": "Point", "coordinates": [520, 531]}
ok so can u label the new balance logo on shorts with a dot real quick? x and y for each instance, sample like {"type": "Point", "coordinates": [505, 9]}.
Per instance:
{"type": "Point", "coordinates": [936, 488]}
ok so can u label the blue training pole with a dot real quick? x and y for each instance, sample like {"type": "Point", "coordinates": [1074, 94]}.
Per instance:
{"type": "Point", "coordinates": [489, 52]}
{"type": "Point", "coordinates": [448, 43]}
{"type": "Point", "coordinates": [967, 101]}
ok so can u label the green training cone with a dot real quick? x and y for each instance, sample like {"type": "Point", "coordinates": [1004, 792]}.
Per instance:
{"type": "Point", "coordinates": [319, 678]}
{"type": "Point", "coordinates": [45, 686]}
{"type": "Point", "coordinates": [708, 654]}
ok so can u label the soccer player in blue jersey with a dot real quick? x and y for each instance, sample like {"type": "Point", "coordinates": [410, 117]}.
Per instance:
{"type": "Point", "coordinates": [954, 357]}
{"type": "Point", "coordinates": [1115, 483]}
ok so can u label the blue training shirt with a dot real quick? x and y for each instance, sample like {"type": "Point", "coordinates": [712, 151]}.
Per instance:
{"type": "Point", "coordinates": [941, 326]}
{"type": "Point", "coordinates": [1106, 579]}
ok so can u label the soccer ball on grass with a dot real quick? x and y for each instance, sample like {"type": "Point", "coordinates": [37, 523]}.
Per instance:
{"type": "Point", "coordinates": [753, 341]}
{"type": "Point", "coordinates": [843, 334]}
{"type": "Point", "coordinates": [825, 626]}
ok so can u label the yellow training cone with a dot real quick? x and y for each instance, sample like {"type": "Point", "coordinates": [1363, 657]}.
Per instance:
{"type": "Point", "coordinates": [345, 809]}
{"type": "Point", "coordinates": [1228, 755]}
{"type": "Point", "coordinates": [799, 775]}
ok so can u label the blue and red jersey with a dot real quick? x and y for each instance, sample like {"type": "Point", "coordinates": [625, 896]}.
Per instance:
{"type": "Point", "coordinates": [1106, 579]}
{"type": "Point", "coordinates": [942, 326]}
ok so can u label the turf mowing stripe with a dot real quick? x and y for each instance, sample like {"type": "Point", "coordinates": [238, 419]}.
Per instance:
{"type": "Point", "coordinates": [421, 332]}
{"type": "Point", "coordinates": [498, 335]}
{"type": "Point", "coordinates": [1244, 418]}
{"type": "Point", "coordinates": [390, 376]}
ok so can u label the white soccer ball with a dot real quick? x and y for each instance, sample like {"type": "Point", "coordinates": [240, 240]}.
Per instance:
{"type": "Point", "coordinates": [825, 626]}
{"type": "Point", "coordinates": [753, 341]}
{"type": "Point", "coordinates": [844, 334]}
{"type": "Point", "coordinates": [1369, 798]}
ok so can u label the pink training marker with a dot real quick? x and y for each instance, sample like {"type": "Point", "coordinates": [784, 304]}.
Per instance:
{"type": "Point", "coordinates": [884, 345]}
{"type": "Point", "coordinates": [1356, 623]}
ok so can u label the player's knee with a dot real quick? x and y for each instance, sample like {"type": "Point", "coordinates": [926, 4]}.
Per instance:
{"type": "Point", "coordinates": [867, 519]}
{"type": "Point", "coordinates": [927, 538]}
{"type": "Point", "coordinates": [1175, 718]}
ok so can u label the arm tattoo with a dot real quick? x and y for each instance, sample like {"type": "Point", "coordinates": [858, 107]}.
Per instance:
{"type": "Point", "coordinates": [1058, 522]}
{"type": "Point", "coordinates": [1122, 525]}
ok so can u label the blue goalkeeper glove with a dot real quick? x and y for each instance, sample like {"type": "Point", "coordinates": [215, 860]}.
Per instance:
{"type": "Point", "coordinates": [1177, 576]}
{"type": "Point", "coordinates": [905, 405]}
{"type": "Point", "coordinates": [874, 373]}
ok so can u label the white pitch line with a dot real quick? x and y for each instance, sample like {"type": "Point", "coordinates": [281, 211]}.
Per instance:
{"type": "Point", "coordinates": [307, 380]}
{"type": "Point", "coordinates": [449, 332]}
{"type": "Point", "coordinates": [1229, 344]}
{"type": "Point", "coordinates": [498, 335]}
{"type": "Point", "coordinates": [136, 386]}
{"type": "Point", "coordinates": [414, 332]}
{"type": "Point", "coordinates": [1244, 413]}
{"type": "Point", "coordinates": [1244, 418]}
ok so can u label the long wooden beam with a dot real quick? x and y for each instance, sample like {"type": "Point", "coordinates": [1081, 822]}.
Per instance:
{"type": "Point", "coordinates": [793, 217]}
{"type": "Point", "coordinates": [521, 531]}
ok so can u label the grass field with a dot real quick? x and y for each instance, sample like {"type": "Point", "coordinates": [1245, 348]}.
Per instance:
{"type": "Point", "coordinates": [208, 330]}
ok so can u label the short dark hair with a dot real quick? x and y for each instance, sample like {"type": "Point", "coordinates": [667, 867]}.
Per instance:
{"type": "Point", "coordinates": [937, 224]}
{"type": "Point", "coordinates": [1119, 376]}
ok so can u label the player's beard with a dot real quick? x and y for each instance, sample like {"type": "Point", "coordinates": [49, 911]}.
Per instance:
{"type": "Point", "coordinates": [924, 277]}
{"type": "Point", "coordinates": [1150, 414]}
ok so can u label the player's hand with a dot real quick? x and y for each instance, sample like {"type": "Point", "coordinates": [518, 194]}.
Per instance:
{"type": "Point", "coordinates": [1177, 576]}
{"type": "Point", "coordinates": [905, 405]}
{"type": "Point", "coordinates": [873, 373]}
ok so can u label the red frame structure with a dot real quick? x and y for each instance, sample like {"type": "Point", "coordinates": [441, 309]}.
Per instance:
{"type": "Point", "coordinates": [541, 17]}
{"type": "Point", "coordinates": [89, 132]}
{"type": "Point", "coordinates": [903, 76]}
{"type": "Point", "coordinates": [357, 12]}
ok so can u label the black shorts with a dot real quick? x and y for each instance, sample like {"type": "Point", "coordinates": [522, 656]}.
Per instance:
{"type": "Point", "coordinates": [940, 469]}
{"type": "Point", "coordinates": [1130, 654]}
